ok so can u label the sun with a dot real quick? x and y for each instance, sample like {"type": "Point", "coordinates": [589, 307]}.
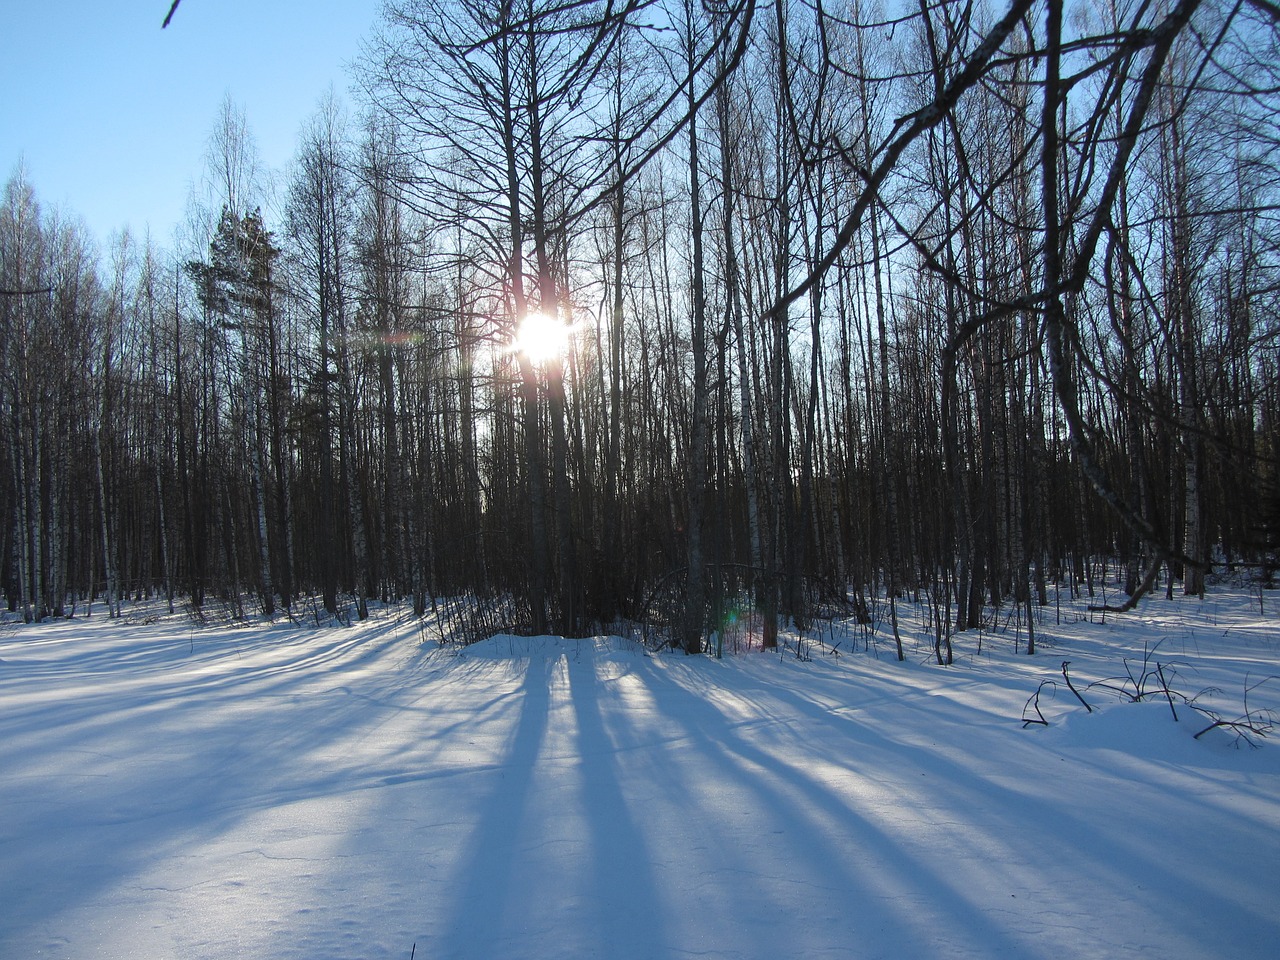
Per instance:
{"type": "Point", "coordinates": [541, 338]}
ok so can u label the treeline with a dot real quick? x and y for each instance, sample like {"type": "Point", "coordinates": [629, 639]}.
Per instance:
{"type": "Point", "coordinates": [944, 298]}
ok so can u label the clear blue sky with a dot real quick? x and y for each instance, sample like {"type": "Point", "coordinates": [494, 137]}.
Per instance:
{"type": "Point", "coordinates": [112, 114]}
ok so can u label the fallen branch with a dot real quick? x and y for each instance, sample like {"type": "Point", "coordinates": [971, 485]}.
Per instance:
{"type": "Point", "coordinates": [1258, 722]}
{"type": "Point", "coordinates": [1072, 687]}
{"type": "Point", "coordinates": [1034, 702]}
{"type": "Point", "coordinates": [1241, 727]}
{"type": "Point", "coordinates": [1164, 685]}
{"type": "Point", "coordinates": [1148, 581]}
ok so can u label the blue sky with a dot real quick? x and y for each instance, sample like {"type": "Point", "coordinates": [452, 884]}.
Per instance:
{"type": "Point", "coordinates": [112, 114]}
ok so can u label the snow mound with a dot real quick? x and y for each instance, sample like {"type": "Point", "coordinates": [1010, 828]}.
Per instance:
{"type": "Point", "coordinates": [505, 646]}
{"type": "Point", "coordinates": [1145, 729]}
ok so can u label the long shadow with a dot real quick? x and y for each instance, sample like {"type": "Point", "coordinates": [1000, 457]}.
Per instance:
{"type": "Point", "coordinates": [150, 760]}
{"type": "Point", "coordinates": [1124, 863]}
{"type": "Point", "coordinates": [628, 908]}
{"type": "Point", "coordinates": [759, 745]}
{"type": "Point", "coordinates": [481, 903]}
{"type": "Point", "coordinates": [856, 862]}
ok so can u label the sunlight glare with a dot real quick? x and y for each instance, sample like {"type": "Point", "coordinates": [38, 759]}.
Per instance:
{"type": "Point", "coordinates": [541, 338]}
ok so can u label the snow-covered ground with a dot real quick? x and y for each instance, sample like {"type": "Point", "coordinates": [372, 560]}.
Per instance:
{"type": "Point", "coordinates": [172, 791]}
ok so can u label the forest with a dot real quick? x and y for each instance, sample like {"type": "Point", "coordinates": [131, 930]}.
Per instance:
{"type": "Point", "coordinates": [839, 302]}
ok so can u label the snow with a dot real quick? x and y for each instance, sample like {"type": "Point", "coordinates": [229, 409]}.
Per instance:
{"type": "Point", "coordinates": [270, 791]}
